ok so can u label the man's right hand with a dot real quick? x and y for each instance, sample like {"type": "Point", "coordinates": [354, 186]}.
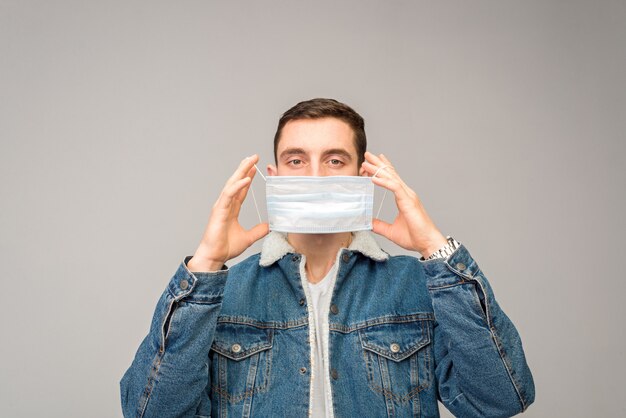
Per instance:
{"type": "Point", "coordinates": [224, 238]}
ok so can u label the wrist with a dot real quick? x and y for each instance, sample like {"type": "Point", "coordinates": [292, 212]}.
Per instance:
{"type": "Point", "coordinates": [445, 251]}
{"type": "Point", "coordinates": [199, 264]}
{"type": "Point", "coordinates": [434, 244]}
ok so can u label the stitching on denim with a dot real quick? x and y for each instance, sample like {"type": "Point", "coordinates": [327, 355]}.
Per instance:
{"type": "Point", "coordinates": [417, 406]}
{"type": "Point", "coordinates": [162, 341]}
{"type": "Point", "coordinates": [266, 373]}
{"type": "Point", "coordinates": [267, 343]}
{"type": "Point", "coordinates": [486, 298]}
{"type": "Point", "coordinates": [154, 370]}
{"type": "Point", "coordinates": [211, 300]}
{"type": "Point", "coordinates": [385, 353]}
{"type": "Point", "coordinates": [424, 341]}
{"type": "Point", "coordinates": [169, 319]}
{"type": "Point", "coordinates": [268, 364]}
{"type": "Point", "coordinates": [368, 366]}
{"type": "Point", "coordinates": [430, 366]}
{"type": "Point", "coordinates": [385, 379]}
{"type": "Point", "coordinates": [387, 319]}
{"type": "Point", "coordinates": [394, 396]}
{"type": "Point", "coordinates": [415, 379]}
{"type": "Point", "coordinates": [507, 366]}
{"type": "Point", "coordinates": [505, 360]}
{"type": "Point", "coordinates": [223, 380]}
{"type": "Point", "coordinates": [424, 352]}
{"type": "Point", "coordinates": [445, 286]}
{"type": "Point", "coordinates": [253, 370]}
{"type": "Point", "coordinates": [243, 320]}
{"type": "Point", "coordinates": [479, 305]}
{"type": "Point", "coordinates": [244, 354]}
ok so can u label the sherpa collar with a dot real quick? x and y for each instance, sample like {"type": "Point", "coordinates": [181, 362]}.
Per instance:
{"type": "Point", "coordinates": [275, 246]}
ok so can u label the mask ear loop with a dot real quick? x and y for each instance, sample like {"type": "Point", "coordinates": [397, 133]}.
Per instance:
{"type": "Point", "coordinates": [254, 197]}
{"type": "Point", "coordinates": [384, 194]}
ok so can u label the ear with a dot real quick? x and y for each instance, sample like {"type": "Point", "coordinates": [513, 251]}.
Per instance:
{"type": "Point", "coordinates": [272, 170]}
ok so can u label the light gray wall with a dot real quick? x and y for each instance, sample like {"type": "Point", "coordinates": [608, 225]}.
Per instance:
{"type": "Point", "coordinates": [120, 121]}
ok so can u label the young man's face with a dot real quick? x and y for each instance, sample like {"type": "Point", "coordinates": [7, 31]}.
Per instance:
{"type": "Point", "coordinates": [316, 147]}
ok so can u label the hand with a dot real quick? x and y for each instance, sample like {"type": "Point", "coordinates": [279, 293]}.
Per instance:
{"type": "Point", "coordinates": [224, 238]}
{"type": "Point", "coordinates": [412, 229]}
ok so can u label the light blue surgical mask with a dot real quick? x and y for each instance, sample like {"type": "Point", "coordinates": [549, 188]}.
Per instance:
{"type": "Point", "coordinates": [319, 204]}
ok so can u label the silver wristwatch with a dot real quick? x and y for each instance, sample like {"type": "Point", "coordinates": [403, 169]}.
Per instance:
{"type": "Point", "coordinates": [444, 251]}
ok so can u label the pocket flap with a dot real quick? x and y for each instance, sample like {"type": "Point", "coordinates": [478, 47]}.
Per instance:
{"type": "Point", "coordinates": [238, 341]}
{"type": "Point", "coordinates": [395, 341]}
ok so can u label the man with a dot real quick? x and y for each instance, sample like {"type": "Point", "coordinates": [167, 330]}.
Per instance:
{"type": "Point", "coordinates": [327, 324]}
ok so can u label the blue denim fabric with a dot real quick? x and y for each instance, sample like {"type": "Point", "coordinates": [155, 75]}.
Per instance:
{"type": "Point", "coordinates": [404, 334]}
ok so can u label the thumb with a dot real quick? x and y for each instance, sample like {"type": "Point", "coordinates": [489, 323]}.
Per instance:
{"type": "Point", "coordinates": [257, 232]}
{"type": "Point", "coordinates": [382, 228]}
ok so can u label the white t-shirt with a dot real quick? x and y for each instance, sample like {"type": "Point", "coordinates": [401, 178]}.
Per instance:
{"type": "Point", "coordinates": [321, 294]}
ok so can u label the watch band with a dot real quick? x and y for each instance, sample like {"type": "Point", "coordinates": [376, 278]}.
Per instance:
{"type": "Point", "coordinates": [444, 251]}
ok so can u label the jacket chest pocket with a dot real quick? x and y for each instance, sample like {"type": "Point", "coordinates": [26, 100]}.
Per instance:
{"type": "Point", "coordinates": [398, 358]}
{"type": "Point", "coordinates": [241, 361]}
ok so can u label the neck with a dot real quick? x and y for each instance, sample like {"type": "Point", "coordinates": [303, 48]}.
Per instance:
{"type": "Point", "coordinates": [320, 251]}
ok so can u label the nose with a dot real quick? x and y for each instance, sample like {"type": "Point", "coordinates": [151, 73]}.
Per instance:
{"type": "Point", "coordinates": [316, 168]}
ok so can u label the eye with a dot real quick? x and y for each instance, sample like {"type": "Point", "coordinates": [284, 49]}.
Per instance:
{"type": "Point", "coordinates": [295, 161]}
{"type": "Point", "coordinates": [336, 162]}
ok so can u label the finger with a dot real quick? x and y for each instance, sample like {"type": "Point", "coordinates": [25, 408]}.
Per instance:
{"type": "Point", "coordinates": [227, 197]}
{"type": "Point", "coordinates": [241, 195]}
{"type": "Point", "coordinates": [385, 160]}
{"type": "Point", "coordinates": [257, 232]}
{"type": "Point", "coordinates": [374, 159]}
{"type": "Point", "coordinates": [389, 166]}
{"type": "Point", "coordinates": [381, 166]}
{"type": "Point", "coordinates": [399, 189]}
{"type": "Point", "coordinates": [243, 168]}
{"type": "Point", "coordinates": [388, 183]}
{"type": "Point", "coordinates": [372, 170]}
{"type": "Point", "coordinates": [381, 228]}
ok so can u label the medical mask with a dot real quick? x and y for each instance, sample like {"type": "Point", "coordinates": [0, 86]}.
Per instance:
{"type": "Point", "coordinates": [319, 204]}
{"type": "Point", "coordinates": [312, 204]}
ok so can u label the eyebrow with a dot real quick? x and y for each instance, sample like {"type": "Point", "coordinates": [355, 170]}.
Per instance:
{"type": "Point", "coordinates": [299, 151]}
{"type": "Point", "coordinates": [338, 151]}
{"type": "Point", "coordinates": [291, 151]}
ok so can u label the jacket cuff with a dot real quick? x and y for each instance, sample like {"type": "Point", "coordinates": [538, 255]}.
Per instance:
{"type": "Point", "coordinates": [456, 268]}
{"type": "Point", "coordinates": [204, 287]}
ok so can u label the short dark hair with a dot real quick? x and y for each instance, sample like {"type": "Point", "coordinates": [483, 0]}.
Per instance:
{"type": "Point", "coordinates": [323, 108]}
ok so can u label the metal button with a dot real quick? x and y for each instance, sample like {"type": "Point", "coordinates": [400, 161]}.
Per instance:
{"type": "Point", "coordinates": [184, 284]}
{"type": "Point", "coordinates": [302, 370]}
{"type": "Point", "coordinates": [345, 257]}
{"type": "Point", "coordinates": [394, 347]}
{"type": "Point", "coordinates": [295, 258]}
{"type": "Point", "coordinates": [460, 266]}
{"type": "Point", "coordinates": [334, 374]}
{"type": "Point", "coordinates": [334, 309]}
{"type": "Point", "coordinates": [301, 301]}
{"type": "Point", "coordinates": [235, 348]}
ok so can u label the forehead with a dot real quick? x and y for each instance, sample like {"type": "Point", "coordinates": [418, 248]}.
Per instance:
{"type": "Point", "coordinates": [316, 135]}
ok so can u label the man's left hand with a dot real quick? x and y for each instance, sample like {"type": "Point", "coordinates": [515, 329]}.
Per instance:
{"type": "Point", "coordinates": [412, 229]}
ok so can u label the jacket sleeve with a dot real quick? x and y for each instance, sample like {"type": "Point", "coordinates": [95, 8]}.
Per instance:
{"type": "Point", "coordinates": [480, 366]}
{"type": "Point", "coordinates": [170, 372]}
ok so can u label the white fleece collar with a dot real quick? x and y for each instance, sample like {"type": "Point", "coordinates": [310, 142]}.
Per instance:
{"type": "Point", "coordinates": [275, 246]}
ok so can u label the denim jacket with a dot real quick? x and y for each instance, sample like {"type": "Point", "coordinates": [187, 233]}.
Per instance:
{"type": "Point", "coordinates": [402, 334]}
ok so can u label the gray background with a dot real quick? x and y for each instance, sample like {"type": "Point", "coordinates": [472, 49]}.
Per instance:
{"type": "Point", "coordinates": [120, 121]}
